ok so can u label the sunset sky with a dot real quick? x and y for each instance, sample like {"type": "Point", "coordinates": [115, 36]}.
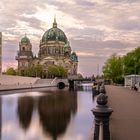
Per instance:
{"type": "Point", "coordinates": [95, 28]}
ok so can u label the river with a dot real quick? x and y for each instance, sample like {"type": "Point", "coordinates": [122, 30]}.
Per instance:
{"type": "Point", "coordinates": [47, 115]}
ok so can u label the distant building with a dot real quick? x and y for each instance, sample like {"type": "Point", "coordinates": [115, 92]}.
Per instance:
{"type": "Point", "coordinates": [0, 53]}
{"type": "Point", "coordinates": [131, 80]}
{"type": "Point", "coordinates": [54, 49]}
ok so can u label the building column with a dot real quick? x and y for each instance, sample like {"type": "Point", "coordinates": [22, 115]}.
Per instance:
{"type": "Point", "coordinates": [0, 53]}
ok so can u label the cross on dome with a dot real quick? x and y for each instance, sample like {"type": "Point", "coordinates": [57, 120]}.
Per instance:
{"type": "Point", "coordinates": [55, 23]}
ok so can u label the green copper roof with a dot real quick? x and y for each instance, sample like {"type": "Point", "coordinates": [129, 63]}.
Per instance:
{"type": "Point", "coordinates": [67, 45]}
{"type": "Point", "coordinates": [25, 39]}
{"type": "Point", "coordinates": [54, 34]}
{"type": "Point", "coordinates": [73, 56]}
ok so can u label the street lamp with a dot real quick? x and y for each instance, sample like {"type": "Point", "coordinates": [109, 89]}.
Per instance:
{"type": "Point", "coordinates": [135, 69]}
{"type": "Point", "coordinates": [123, 69]}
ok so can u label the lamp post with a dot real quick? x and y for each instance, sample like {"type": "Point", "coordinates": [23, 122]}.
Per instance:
{"type": "Point", "coordinates": [135, 73]}
{"type": "Point", "coordinates": [135, 70]}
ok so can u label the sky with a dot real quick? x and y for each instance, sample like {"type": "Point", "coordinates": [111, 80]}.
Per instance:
{"type": "Point", "coordinates": [96, 29]}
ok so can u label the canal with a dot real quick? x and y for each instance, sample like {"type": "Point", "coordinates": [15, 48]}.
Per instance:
{"type": "Point", "coordinates": [47, 115]}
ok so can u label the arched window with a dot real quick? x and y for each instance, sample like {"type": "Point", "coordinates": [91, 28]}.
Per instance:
{"type": "Point", "coordinates": [23, 48]}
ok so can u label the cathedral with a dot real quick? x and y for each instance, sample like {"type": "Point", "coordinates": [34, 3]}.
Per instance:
{"type": "Point", "coordinates": [54, 49]}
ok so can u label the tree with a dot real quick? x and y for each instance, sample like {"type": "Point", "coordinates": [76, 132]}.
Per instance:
{"type": "Point", "coordinates": [62, 71]}
{"type": "Point", "coordinates": [33, 71]}
{"type": "Point", "coordinates": [116, 67]}
{"type": "Point", "coordinates": [56, 71]}
{"type": "Point", "coordinates": [113, 69]}
{"type": "Point", "coordinates": [11, 71]}
{"type": "Point", "coordinates": [132, 62]}
{"type": "Point", "coordinates": [53, 71]}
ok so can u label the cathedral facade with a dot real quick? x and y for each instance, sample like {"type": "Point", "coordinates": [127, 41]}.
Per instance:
{"type": "Point", "coordinates": [54, 49]}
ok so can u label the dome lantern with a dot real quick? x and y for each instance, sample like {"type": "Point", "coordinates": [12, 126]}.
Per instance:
{"type": "Point", "coordinates": [54, 34]}
{"type": "Point", "coordinates": [54, 23]}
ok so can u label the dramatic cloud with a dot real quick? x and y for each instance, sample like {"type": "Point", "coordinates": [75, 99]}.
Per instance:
{"type": "Point", "coordinates": [95, 28]}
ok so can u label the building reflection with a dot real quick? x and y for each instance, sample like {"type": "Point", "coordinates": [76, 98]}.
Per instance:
{"type": "Point", "coordinates": [73, 101]}
{"type": "Point", "coordinates": [55, 112]}
{"type": "Point", "coordinates": [24, 110]}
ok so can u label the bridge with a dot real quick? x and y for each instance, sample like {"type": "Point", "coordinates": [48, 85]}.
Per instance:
{"type": "Point", "coordinates": [73, 80]}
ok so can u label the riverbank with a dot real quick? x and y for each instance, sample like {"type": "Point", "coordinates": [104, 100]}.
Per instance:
{"type": "Point", "coordinates": [125, 120]}
{"type": "Point", "coordinates": [8, 82]}
{"type": "Point", "coordinates": [16, 80]}
{"type": "Point", "coordinates": [19, 83]}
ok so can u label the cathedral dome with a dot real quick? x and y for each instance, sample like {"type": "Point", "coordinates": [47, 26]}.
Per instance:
{"type": "Point", "coordinates": [25, 39]}
{"type": "Point", "coordinates": [54, 34]}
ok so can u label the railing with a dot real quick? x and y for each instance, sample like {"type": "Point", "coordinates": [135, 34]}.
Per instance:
{"type": "Point", "coordinates": [101, 131]}
{"type": "Point", "coordinates": [102, 114]}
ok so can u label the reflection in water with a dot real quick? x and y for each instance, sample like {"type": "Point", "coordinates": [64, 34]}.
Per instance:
{"type": "Point", "coordinates": [55, 112]}
{"type": "Point", "coordinates": [48, 115]}
{"type": "Point", "coordinates": [25, 109]}
{"type": "Point", "coordinates": [84, 87]}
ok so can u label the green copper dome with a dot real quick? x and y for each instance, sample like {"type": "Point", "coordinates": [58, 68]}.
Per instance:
{"type": "Point", "coordinates": [73, 56]}
{"type": "Point", "coordinates": [25, 39]}
{"type": "Point", "coordinates": [54, 34]}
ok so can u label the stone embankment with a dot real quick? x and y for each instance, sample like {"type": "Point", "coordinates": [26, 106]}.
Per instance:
{"type": "Point", "coordinates": [18, 82]}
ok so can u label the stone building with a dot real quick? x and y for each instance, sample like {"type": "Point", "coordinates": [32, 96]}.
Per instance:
{"type": "Point", "coordinates": [54, 49]}
{"type": "Point", "coordinates": [0, 53]}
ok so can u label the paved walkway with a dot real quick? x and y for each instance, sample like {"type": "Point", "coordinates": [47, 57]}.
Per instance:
{"type": "Point", "coordinates": [125, 120]}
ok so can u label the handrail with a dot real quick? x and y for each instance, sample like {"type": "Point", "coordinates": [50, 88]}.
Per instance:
{"type": "Point", "coordinates": [102, 114]}
{"type": "Point", "coordinates": [53, 80]}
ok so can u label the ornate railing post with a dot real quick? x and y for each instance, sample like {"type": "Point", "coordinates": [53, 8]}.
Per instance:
{"type": "Point", "coordinates": [71, 84]}
{"type": "Point", "coordinates": [102, 114]}
{"type": "Point", "coordinates": [102, 88]}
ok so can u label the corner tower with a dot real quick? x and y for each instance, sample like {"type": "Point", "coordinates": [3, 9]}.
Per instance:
{"type": "Point", "coordinates": [0, 53]}
{"type": "Point", "coordinates": [25, 55]}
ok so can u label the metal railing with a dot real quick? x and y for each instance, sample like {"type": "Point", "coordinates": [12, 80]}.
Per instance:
{"type": "Point", "coordinates": [102, 114]}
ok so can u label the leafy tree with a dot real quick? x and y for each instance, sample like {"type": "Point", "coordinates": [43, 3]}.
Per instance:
{"type": "Point", "coordinates": [132, 62]}
{"type": "Point", "coordinates": [33, 71]}
{"type": "Point", "coordinates": [56, 71]}
{"type": "Point", "coordinates": [11, 71]}
{"type": "Point", "coordinates": [37, 71]}
{"type": "Point", "coordinates": [116, 67]}
{"type": "Point", "coordinates": [113, 69]}
{"type": "Point", "coordinates": [62, 71]}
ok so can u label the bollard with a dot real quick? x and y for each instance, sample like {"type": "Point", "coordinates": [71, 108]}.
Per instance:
{"type": "Point", "coordinates": [102, 114]}
{"type": "Point", "coordinates": [102, 89]}
{"type": "Point", "coordinates": [71, 85]}
{"type": "Point", "coordinates": [98, 88]}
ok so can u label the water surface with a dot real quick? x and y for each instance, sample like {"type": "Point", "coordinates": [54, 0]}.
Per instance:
{"type": "Point", "coordinates": [50, 115]}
